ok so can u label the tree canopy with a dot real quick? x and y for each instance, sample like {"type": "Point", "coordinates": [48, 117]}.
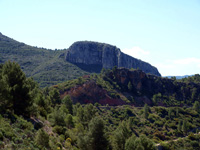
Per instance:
{"type": "Point", "coordinates": [16, 91]}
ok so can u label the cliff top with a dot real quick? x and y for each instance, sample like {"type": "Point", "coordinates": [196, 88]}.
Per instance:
{"type": "Point", "coordinates": [105, 56]}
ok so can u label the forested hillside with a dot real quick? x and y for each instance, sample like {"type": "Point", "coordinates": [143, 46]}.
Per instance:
{"type": "Point", "coordinates": [132, 87]}
{"type": "Point", "coordinates": [53, 118]}
{"type": "Point", "coordinates": [47, 67]}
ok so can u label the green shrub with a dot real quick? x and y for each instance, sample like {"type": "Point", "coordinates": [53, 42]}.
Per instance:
{"type": "Point", "coordinates": [42, 139]}
{"type": "Point", "coordinates": [17, 140]}
{"type": "Point", "coordinates": [195, 144]}
{"type": "Point", "coordinates": [2, 145]}
{"type": "Point", "coordinates": [23, 124]}
{"type": "Point", "coordinates": [172, 125]}
{"type": "Point", "coordinates": [158, 123]}
{"type": "Point", "coordinates": [57, 117]}
{"type": "Point", "coordinates": [52, 142]}
{"type": "Point", "coordinates": [153, 117]}
{"type": "Point", "coordinates": [58, 129]}
{"type": "Point", "coordinates": [191, 136]}
{"type": "Point", "coordinates": [9, 134]}
{"type": "Point", "coordinates": [59, 145]}
{"type": "Point", "coordinates": [165, 146]}
{"type": "Point", "coordinates": [1, 136]}
{"type": "Point", "coordinates": [42, 111]}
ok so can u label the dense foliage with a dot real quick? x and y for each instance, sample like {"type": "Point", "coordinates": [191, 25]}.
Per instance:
{"type": "Point", "coordinates": [132, 87]}
{"type": "Point", "coordinates": [16, 91]}
{"type": "Point", "coordinates": [33, 118]}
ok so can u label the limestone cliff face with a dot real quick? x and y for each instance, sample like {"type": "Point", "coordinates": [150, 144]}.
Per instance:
{"type": "Point", "coordinates": [104, 56]}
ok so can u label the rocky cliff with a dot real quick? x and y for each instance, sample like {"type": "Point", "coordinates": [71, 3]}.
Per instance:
{"type": "Point", "coordinates": [122, 86]}
{"type": "Point", "coordinates": [96, 56]}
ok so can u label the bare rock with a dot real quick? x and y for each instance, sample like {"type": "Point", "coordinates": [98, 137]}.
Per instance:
{"type": "Point", "coordinates": [96, 55]}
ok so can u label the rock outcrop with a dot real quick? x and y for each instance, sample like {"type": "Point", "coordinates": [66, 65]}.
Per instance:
{"type": "Point", "coordinates": [125, 87]}
{"type": "Point", "coordinates": [90, 92]}
{"type": "Point", "coordinates": [95, 55]}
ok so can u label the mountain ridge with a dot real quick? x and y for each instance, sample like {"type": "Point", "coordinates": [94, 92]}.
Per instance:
{"type": "Point", "coordinates": [47, 67]}
{"type": "Point", "coordinates": [180, 77]}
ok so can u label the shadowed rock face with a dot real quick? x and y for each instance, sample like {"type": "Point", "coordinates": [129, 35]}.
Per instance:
{"type": "Point", "coordinates": [95, 56]}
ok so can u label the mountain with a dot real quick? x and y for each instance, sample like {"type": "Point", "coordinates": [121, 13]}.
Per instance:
{"type": "Point", "coordinates": [101, 55]}
{"type": "Point", "coordinates": [50, 67]}
{"type": "Point", "coordinates": [179, 77]}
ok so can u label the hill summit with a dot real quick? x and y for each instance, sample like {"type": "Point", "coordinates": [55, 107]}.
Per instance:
{"type": "Point", "coordinates": [95, 56]}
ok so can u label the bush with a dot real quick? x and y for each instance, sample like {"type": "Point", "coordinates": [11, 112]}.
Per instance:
{"type": "Point", "coordinates": [58, 129]}
{"type": "Point", "coordinates": [153, 117]}
{"type": "Point", "coordinates": [59, 145]}
{"type": "Point", "coordinates": [159, 135]}
{"type": "Point", "coordinates": [158, 123]}
{"type": "Point", "coordinates": [42, 139]}
{"type": "Point", "coordinates": [2, 145]}
{"type": "Point", "coordinates": [69, 121]}
{"type": "Point", "coordinates": [57, 117]}
{"type": "Point", "coordinates": [52, 142]}
{"type": "Point", "coordinates": [165, 146]}
{"type": "Point", "coordinates": [172, 125]}
{"type": "Point", "coordinates": [23, 124]}
{"type": "Point", "coordinates": [9, 134]}
{"type": "Point", "coordinates": [195, 144]}
{"type": "Point", "coordinates": [1, 136]}
{"type": "Point", "coordinates": [191, 136]}
{"type": "Point", "coordinates": [17, 140]}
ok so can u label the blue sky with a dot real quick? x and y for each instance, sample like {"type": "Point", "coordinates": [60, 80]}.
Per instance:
{"type": "Point", "coordinates": [165, 33]}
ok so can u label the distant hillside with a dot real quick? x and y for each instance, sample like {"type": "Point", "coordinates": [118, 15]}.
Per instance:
{"type": "Point", "coordinates": [179, 77]}
{"type": "Point", "coordinates": [87, 54]}
{"type": "Point", "coordinates": [46, 66]}
{"type": "Point", "coordinates": [49, 67]}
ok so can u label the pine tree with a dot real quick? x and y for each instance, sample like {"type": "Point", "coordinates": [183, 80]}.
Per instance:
{"type": "Point", "coordinates": [179, 125]}
{"type": "Point", "coordinates": [69, 121]}
{"type": "Point", "coordinates": [130, 87]}
{"type": "Point", "coordinates": [42, 139]}
{"type": "Point", "coordinates": [80, 115]}
{"type": "Point", "coordinates": [147, 143]}
{"type": "Point", "coordinates": [89, 112]}
{"type": "Point", "coordinates": [97, 134]}
{"type": "Point", "coordinates": [141, 143]}
{"type": "Point", "coordinates": [196, 106]}
{"type": "Point", "coordinates": [170, 113]}
{"type": "Point", "coordinates": [146, 111]}
{"type": "Point", "coordinates": [194, 93]}
{"type": "Point", "coordinates": [16, 90]}
{"type": "Point", "coordinates": [130, 143]}
{"type": "Point", "coordinates": [58, 117]}
{"type": "Point", "coordinates": [185, 127]}
{"type": "Point", "coordinates": [121, 134]}
{"type": "Point", "coordinates": [177, 112]}
{"type": "Point", "coordinates": [68, 103]}
{"type": "Point", "coordinates": [55, 96]}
